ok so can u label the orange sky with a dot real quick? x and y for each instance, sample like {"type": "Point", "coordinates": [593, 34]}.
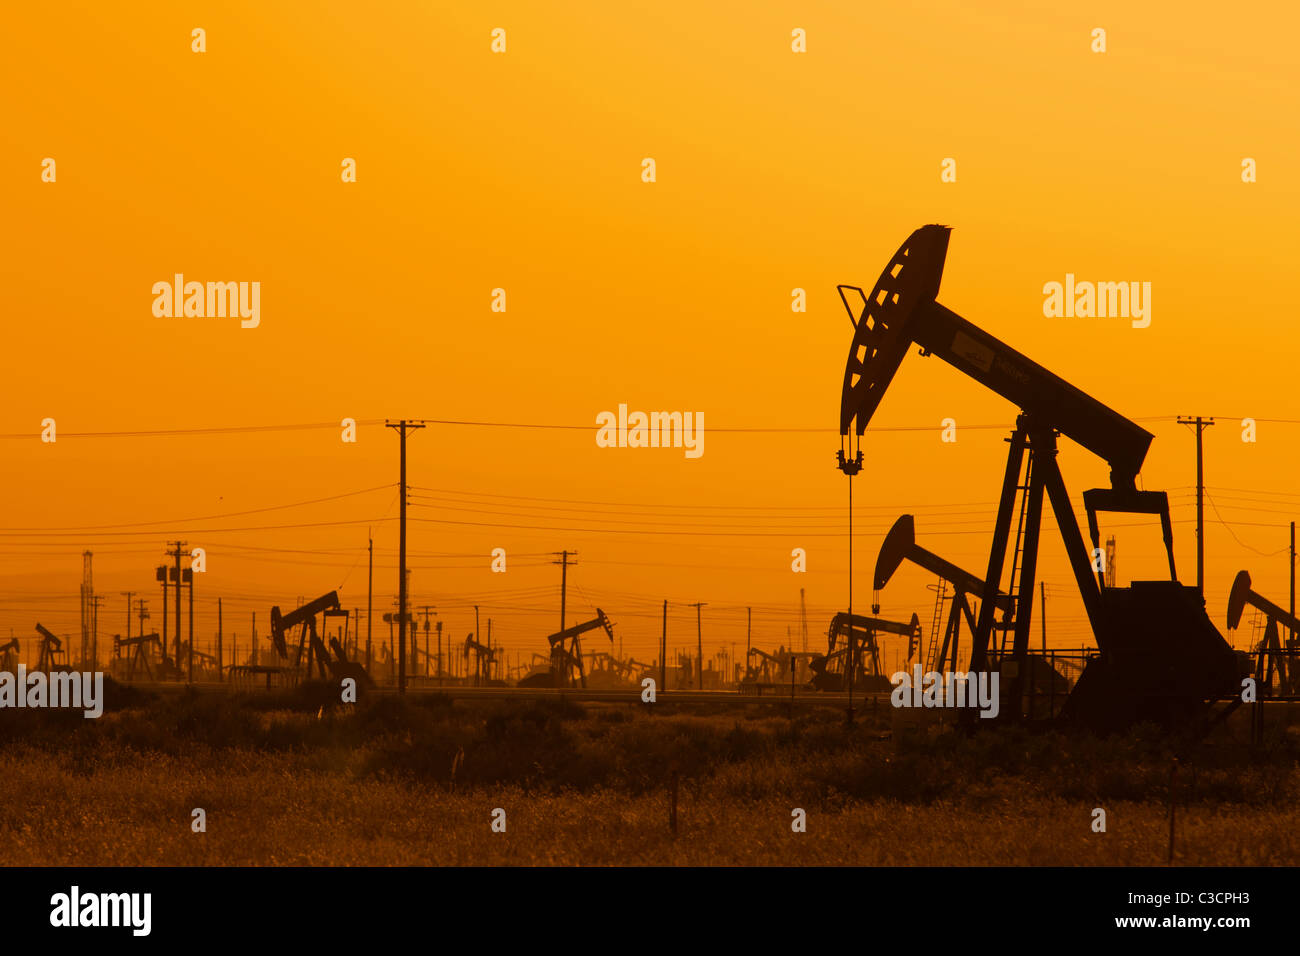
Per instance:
{"type": "Point", "coordinates": [522, 171]}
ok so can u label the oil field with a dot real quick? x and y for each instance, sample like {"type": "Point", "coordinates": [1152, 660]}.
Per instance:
{"type": "Point", "coordinates": [1128, 748]}
{"type": "Point", "coordinates": [648, 435]}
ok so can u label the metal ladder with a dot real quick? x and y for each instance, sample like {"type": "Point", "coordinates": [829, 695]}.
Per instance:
{"type": "Point", "coordinates": [932, 652]}
{"type": "Point", "coordinates": [1008, 624]}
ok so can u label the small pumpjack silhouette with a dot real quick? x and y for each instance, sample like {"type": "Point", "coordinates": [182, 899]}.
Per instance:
{"type": "Point", "coordinates": [1277, 672]}
{"type": "Point", "coordinates": [338, 667]}
{"type": "Point", "coordinates": [484, 658]}
{"type": "Point", "coordinates": [9, 656]}
{"type": "Point", "coordinates": [566, 654]}
{"type": "Point", "coordinates": [858, 660]}
{"type": "Point", "coordinates": [139, 651]}
{"type": "Point", "coordinates": [53, 657]}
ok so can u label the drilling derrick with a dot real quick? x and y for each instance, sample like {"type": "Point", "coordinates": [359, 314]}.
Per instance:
{"type": "Point", "coordinates": [1160, 657]}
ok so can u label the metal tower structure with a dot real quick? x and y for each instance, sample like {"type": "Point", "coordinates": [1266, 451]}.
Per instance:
{"type": "Point", "coordinates": [87, 606]}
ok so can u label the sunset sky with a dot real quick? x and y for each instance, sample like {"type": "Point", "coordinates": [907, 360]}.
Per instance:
{"type": "Point", "coordinates": [522, 171]}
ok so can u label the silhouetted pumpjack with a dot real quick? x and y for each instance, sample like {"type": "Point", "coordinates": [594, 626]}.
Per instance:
{"type": "Point", "coordinates": [1160, 657]}
{"type": "Point", "coordinates": [899, 546]}
{"type": "Point", "coordinates": [310, 641]}
{"type": "Point", "coordinates": [768, 670]}
{"type": "Point", "coordinates": [1274, 659]}
{"type": "Point", "coordinates": [9, 656]}
{"type": "Point", "coordinates": [566, 653]}
{"type": "Point", "coordinates": [139, 645]}
{"type": "Point", "coordinates": [52, 656]}
{"type": "Point", "coordinates": [833, 670]}
{"type": "Point", "coordinates": [484, 657]}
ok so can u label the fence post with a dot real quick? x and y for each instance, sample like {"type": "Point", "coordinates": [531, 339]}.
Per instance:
{"type": "Point", "coordinates": [1173, 797]}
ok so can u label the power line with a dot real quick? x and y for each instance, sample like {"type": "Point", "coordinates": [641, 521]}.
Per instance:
{"type": "Point", "coordinates": [543, 426]}
{"type": "Point", "coordinates": [1266, 554]}
{"type": "Point", "coordinates": [215, 517]}
{"type": "Point", "coordinates": [192, 531]}
{"type": "Point", "coordinates": [172, 432]}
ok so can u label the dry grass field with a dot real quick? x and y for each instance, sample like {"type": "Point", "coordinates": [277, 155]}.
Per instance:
{"type": "Point", "coordinates": [416, 782]}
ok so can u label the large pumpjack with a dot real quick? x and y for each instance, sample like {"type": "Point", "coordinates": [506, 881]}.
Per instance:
{"type": "Point", "coordinates": [1160, 657]}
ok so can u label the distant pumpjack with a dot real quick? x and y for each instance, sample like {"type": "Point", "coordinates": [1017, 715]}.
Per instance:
{"type": "Point", "coordinates": [859, 659]}
{"type": "Point", "coordinates": [566, 653]}
{"type": "Point", "coordinates": [484, 657]}
{"type": "Point", "coordinates": [899, 546]}
{"type": "Point", "coordinates": [9, 656]}
{"type": "Point", "coordinates": [52, 656]}
{"type": "Point", "coordinates": [139, 654]}
{"type": "Point", "coordinates": [1273, 657]}
{"type": "Point", "coordinates": [639, 668]}
{"type": "Point", "coordinates": [310, 641]}
{"type": "Point", "coordinates": [770, 667]}
{"type": "Point", "coordinates": [1160, 657]}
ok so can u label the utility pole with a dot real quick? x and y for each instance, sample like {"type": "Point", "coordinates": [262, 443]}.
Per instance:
{"type": "Point", "coordinates": [803, 621]}
{"type": "Point", "coordinates": [220, 659]}
{"type": "Point", "coordinates": [1293, 633]}
{"type": "Point", "coordinates": [564, 563]}
{"type": "Point", "coordinates": [190, 571]}
{"type": "Point", "coordinates": [1042, 611]}
{"type": "Point", "coordinates": [129, 595]}
{"type": "Point", "coordinates": [749, 631]}
{"type": "Point", "coordinates": [1201, 424]}
{"type": "Point", "coordinates": [142, 614]}
{"type": "Point", "coordinates": [370, 599]}
{"type": "Point", "coordinates": [402, 427]}
{"type": "Point", "coordinates": [440, 653]}
{"type": "Point", "coordinates": [177, 549]}
{"type": "Point", "coordinates": [95, 600]}
{"type": "Point", "coordinates": [663, 651]}
{"type": "Point", "coordinates": [87, 611]}
{"type": "Point", "coordinates": [162, 576]}
{"type": "Point", "coordinates": [253, 637]}
{"type": "Point", "coordinates": [425, 609]}
{"type": "Point", "coordinates": [699, 645]}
